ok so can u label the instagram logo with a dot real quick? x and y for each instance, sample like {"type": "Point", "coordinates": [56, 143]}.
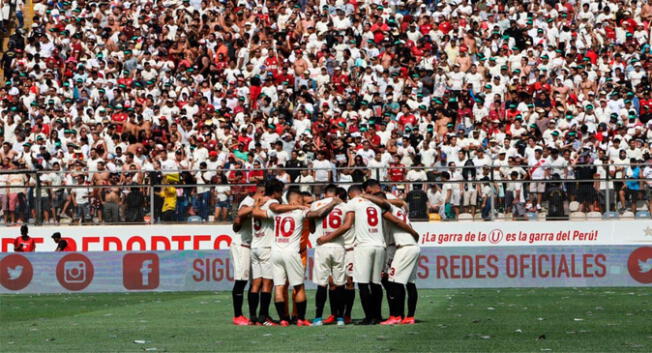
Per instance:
{"type": "Point", "coordinates": [140, 271]}
{"type": "Point", "coordinates": [75, 272]}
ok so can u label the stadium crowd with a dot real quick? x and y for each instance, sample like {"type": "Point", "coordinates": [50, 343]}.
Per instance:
{"type": "Point", "coordinates": [115, 94]}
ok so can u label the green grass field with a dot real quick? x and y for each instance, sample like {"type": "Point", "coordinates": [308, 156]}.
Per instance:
{"type": "Point", "coordinates": [532, 320]}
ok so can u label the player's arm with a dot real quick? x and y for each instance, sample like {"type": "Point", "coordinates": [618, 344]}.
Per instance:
{"type": "Point", "coordinates": [278, 208]}
{"type": "Point", "coordinates": [321, 212]}
{"type": "Point", "coordinates": [382, 203]}
{"type": "Point", "coordinates": [237, 223]}
{"type": "Point", "coordinates": [402, 225]}
{"type": "Point", "coordinates": [400, 203]}
{"type": "Point", "coordinates": [245, 211]}
{"type": "Point", "coordinates": [348, 223]}
{"type": "Point", "coordinates": [257, 212]}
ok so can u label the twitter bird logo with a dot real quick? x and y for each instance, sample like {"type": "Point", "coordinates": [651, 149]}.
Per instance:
{"type": "Point", "coordinates": [14, 273]}
{"type": "Point", "coordinates": [645, 266]}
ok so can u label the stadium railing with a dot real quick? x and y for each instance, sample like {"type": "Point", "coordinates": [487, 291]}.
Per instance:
{"type": "Point", "coordinates": [38, 201]}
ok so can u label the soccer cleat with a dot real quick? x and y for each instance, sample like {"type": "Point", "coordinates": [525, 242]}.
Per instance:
{"type": "Point", "coordinates": [347, 320]}
{"type": "Point", "coordinates": [392, 320]}
{"type": "Point", "coordinates": [303, 322]}
{"type": "Point", "coordinates": [284, 323]}
{"type": "Point", "coordinates": [240, 321]}
{"type": "Point", "coordinates": [317, 322]}
{"type": "Point", "coordinates": [329, 320]}
{"type": "Point", "coordinates": [269, 322]}
{"type": "Point", "coordinates": [408, 321]}
{"type": "Point", "coordinates": [340, 321]}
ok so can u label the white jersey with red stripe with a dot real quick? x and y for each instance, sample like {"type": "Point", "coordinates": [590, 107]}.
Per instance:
{"type": "Point", "coordinates": [246, 231]}
{"type": "Point", "coordinates": [333, 220]}
{"type": "Point", "coordinates": [264, 228]}
{"type": "Point", "coordinates": [288, 228]}
{"type": "Point", "coordinates": [368, 229]}
{"type": "Point", "coordinates": [398, 235]}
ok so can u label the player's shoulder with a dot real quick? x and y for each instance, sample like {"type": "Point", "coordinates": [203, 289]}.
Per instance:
{"type": "Point", "coordinates": [320, 203]}
{"type": "Point", "coordinates": [248, 201]}
{"type": "Point", "coordinates": [270, 202]}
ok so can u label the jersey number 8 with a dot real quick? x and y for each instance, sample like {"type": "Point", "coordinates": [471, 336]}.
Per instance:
{"type": "Point", "coordinates": [372, 216]}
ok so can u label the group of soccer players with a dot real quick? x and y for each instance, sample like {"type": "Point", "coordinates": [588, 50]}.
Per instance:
{"type": "Point", "coordinates": [363, 237]}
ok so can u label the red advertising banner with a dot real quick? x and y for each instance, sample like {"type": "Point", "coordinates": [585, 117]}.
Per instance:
{"type": "Point", "coordinates": [433, 234]}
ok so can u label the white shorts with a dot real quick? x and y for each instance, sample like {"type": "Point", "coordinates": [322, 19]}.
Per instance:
{"type": "Point", "coordinates": [404, 265]}
{"type": "Point", "coordinates": [241, 257]}
{"type": "Point", "coordinates": [261, 266]}
{"type": "Point", "coordinates": [537, 187]}
{"type": "Point", "coordinates": [389, 256]}
{"type": "Point", "coordinates": [348, 263]}
{"type": "Point", "coordinates": [368, 263]}
{"type": "Point", "coordinates": [470, 197]}
{"type": "Point", "coordinates": [329, 261]}
{"type": "Point", "coordinates": [456, 198]}
{"type": "Point", "coordinates": [287, 266]}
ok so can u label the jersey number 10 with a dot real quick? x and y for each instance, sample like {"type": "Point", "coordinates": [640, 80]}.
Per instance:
{"type": "Point", "coordinates": [282, 225]}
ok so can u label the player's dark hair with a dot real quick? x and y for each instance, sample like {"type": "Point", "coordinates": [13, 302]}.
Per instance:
{"type": "Point", "coordinates": [355, 188]}
{"type": "Point", "coordinates": [273, 186]}
{"type": "Point", "coordinates": [341, 193]}
{"type": "Point", "coordinates": [292, 191]}
{"type": "Point", "coordinates": [24, 229]}
{"type": "Point", "coordinates": [381, 195]}
{"type": "Point", "coordinates": [56, 235]}
{"type": "Point", "coordinates": [306, 194]}
{"type": "Point", "coordinates": [369, 183]}
{"type": "Point", "coordinates": [260, 184]}
{"type": "Point", "coordinates": [331, 189]}
{"type": "Point", "coordinates": [445, 176]}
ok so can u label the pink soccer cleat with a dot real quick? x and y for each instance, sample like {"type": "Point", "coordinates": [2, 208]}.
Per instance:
{"type": "Point", "coordinates": [408, 321]}
{"type": "Point", "coordinates": [392, 320]}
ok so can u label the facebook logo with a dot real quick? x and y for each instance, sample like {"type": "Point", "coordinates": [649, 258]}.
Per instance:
{"type": "Point", "coordinates": [140, 271]}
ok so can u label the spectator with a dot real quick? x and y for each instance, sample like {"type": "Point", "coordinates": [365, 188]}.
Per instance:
{"type": "Point", "coordinates": [222, 198]}
{"type": "Point", "coordinates": [62, 244]}
{"type": "Point", "coordinates": [134, 202]}
{"type": "Point", "coordinates": [632, 188]}
{"type": "Point", "coordinates": [112, 201]}
{"type": "Point", "coordinates": [486, 197]}
{"type": "Point", "coordinates": [514, 196]}
{"type": "Point", "coordinates": [24, 243]}
{"type": "Point", "coordinates": [169, 196]}
{"type": "Point", "coordinates": [304, 178]}
{"type": "Point", "coordinates": [435, 199]}
{"type": "Point", "coordinates": [417, 201]}
{"type": "Point", "coordinates": [80, 199]}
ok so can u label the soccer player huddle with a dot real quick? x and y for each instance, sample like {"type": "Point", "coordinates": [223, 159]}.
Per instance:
{"type": "Point", "coordinates": [363, 237]}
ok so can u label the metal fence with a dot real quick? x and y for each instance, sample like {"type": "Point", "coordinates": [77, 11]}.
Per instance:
{"type": "Point", "coordinates": [45, 197]}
